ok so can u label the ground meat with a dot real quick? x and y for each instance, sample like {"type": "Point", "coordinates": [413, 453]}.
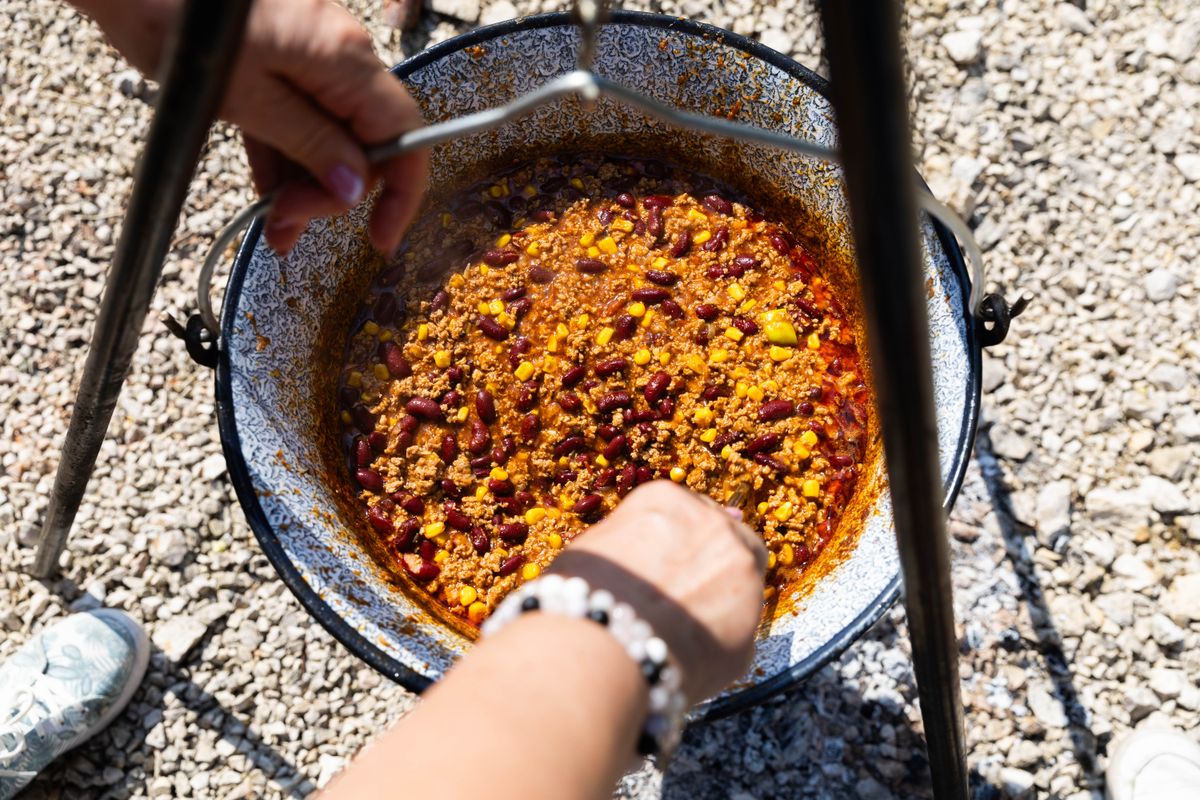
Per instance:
{"type": "Point", "coordinates": [594, 323]}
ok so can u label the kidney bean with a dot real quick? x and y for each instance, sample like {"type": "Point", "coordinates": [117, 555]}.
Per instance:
{"type": "Point", "coordinates": [841, 460]}
{"type": "Point", "coordinates": [770, 462]}
{"type": "Point", "coordinates": [717, 204]}
{"type": "Point", "coordinates": [656, 387]}
{"type": "Point", "coordinates": [657, 201]}
{"type": "Point", "coordinates": [458, 520]}
{"type": "Point", "coordinates": [363, 418]}
{"type": "Point", "coordinates": [707, 312]}
{"type": "Point", "coordinates": [666, 407]}
{"type": "Point", "coordinates": [624, 327]}
{"type": "Point", "coordinates": [385, 309]}
{"type": "Point", "coordinates": [569, 445]}
{"type": "Point", "coordinates": [526, 398]}
{"type": "Point", "coordinates": [746, 262]}
{"type": "Point", "coordinates": [815, 393]}
{"type": "Point", "coordinates": [611, 366]}
{"type": "Point", "coordinates": [590, 266]}
{"type": "Point", "coordinates": [644, 475]}
{"type": "Point", "coordinates": [726, 438]}
{"type": "Point", "coordinates": [654, 223]}
{"type": "Point", "coordinates": [625, 200]}
{"type": "Point", "coordinates": [745, 325]}
{"type": "Point", "coordinates": [449, 448]}
{"type": "Point", "coordinates": [671, 309]}
{"type": "Point", "coordinates": [539, 274]}
{"type": "Point", "coordinates": [682, 242]}
{"type": "Point", "coordinates": [511, 564]}
{"type": "Point", "coordinates": [411, 503]}
{"type": "Point", "coordinates": [588, 504]}
{"type": "Point", "coordinates": [710, 392]}
{"type": "Point", "coordinates": [715, 271]}
{"type": "Point", "coordinates": [563, 477]}
{"type": "Point", "coordinates": [450, 488]}
{"type": "Point", "coordinates": [573, 375]}
{"type": "Point", "coordinates": [380, 521]}
{"type": "Point", "coordinates": [639, 228]}
{"type": "Point", "coordinates": [362, 453]}
{"type": "Point", "coordinates": [427, 549]}
{"type": "Point", "coordinates": [480, 465]}
{"type": "Point", "coordinates": [651, 295]}
{"type": "Point", "coordinates": [612, 401]}
{"type": "Point", "coordinates": [520, 308]}
{"type": "Point", "coordinates": [498, 455]}
{"type": "Point", "coordinates": [606, 477]}
{"type": "Point", "coordinates": [542, 215]}
{"type": "Point", "coordinates": [606, 432]}
{"type": "Point", "coordinates": [424, 408]}
{"type": "Point", "coordinates": [421, 569]}
{"type": "Point", "coordinates": [513, 531]}
{"type": "Point", "coordinates": [662, 277]}
{"type": "Point", "coordinates": [806, 408]}
{"type": "Point", "coordinates": [409, 424]}
{"type": "Point", "coordinates": [646, 429]}
{"type": "Point", "coordinates": [452, 398]}
{"type": "Point", "coordinates": [517, 203]}
{"type": "Point", "coordinates": [570, 402]}
{"type": "Point", "coordinates": [492, 329]}
{"type": "Point", "coordinates": [479, 540]}
{"type": "Point", "coordinates": [625, 479]}
{"type": "Point", "coordinates": [700, 337]}
{"type": "Point", "coordinates": [406, 533]}
{"type": "Point", "coordinates": [500, 488]}
{"type": "Point", "coordinates": [779, 244]}
{"type": "Point", "coordinates": [775, 409]}
{"type": "Point", "coordinates": [763, 443]}
{"type": "Point", "coordinates": [348, 396]}
{"type": "Point", "coordinates": [369, 479]}
{"type": "Point", "coordinates": [642, 415]}
{"type": "Point", "coordinates": [606, 216]}
{"type": "Point", "coordinates": [615, 446]}
{"type": "Point", "coordinates": [479, 437]}
{"type": "Point", "coordinates": [529, 426]}
{"type": "Point", "coordinates": [717, 243]}
{"type": "Point", "coordinates": [485, 406]}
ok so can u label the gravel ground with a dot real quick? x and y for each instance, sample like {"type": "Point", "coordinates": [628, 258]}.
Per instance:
{"type": "Point", "coordinates": [1068, 136]}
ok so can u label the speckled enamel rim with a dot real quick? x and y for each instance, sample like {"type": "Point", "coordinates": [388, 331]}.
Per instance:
{"type": "Point", "coordinates": [369, 652]}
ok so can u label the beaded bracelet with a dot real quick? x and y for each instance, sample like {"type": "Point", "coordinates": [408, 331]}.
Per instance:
{"type": "Point", "coordinates": [573, 597]}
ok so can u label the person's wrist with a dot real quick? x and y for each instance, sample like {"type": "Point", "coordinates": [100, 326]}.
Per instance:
{"type": "Point", "coordinates": [139, 29]}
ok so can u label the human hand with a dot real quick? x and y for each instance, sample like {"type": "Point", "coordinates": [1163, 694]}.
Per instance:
{"type": "Point", "coordinates": [308, 93]}
{"type": "Point", "coordinates": [689, 568]}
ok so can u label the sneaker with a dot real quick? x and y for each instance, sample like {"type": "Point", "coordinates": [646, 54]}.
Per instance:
{"type": "Point", "coordinates": [1154, 764]}
{"type": "Point", "coordinates": [64, 686]}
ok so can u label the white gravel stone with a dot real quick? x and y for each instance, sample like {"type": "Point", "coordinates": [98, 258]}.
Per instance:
{"type": "Point", "coordinates": [1163, 495]}
{"type": "Point", "coordinates": [964, 47]}
{"type": "Point", "coordinates": [1160, 285]}
{"type": "Point", "coordinates": [1170, 462]}
{"type": "Point", "coordinates": [1183, 599]}
{"type": "Point", "coordinates": [1017, 783]}
{"type": "Point", "coordinates": [1189, 165]}
{"type": "Point", "coordinates": [177, 636]}
{"type": "Point", "coordinates": [1168, 683]}
{"type": "Point", "coordinates": [1054, 507]}
{"type": "Point", "coordinates": [498, 12]}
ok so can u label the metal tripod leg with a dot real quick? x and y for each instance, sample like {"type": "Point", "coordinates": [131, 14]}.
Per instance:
{"type": "Point", "coordinates": [870, 101]}
{"type": "Point", "coordinates": [198, 68]}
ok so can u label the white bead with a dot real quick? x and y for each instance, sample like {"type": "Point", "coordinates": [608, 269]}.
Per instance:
{"type": "Point", "coordinates": [642, 631]}
{"type": "Point", "coordinates": [575, 587]}
{"type": "Point", "coordinates": [636, 650]}
{"type": "Point", "coordinates": [621, 612]}
{"type": "Point", "coordinates": [551, 584]}
{"type": "Point", "coordinates": [601, 600]}
{"type": "Point", "coordinates": [574, 606]}
{"type": "Point", "coordinates": [670, 678]}
{"type": "Point", "coordinates": [660, 697]}
{"type": "Point", "coordinates": [656, 650]}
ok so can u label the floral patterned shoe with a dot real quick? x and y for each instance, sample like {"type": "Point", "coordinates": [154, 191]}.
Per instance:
{"type": "Point", "coordinates": [64, 686]}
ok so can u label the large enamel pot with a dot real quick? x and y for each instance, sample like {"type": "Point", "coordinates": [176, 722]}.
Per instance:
{"type": "Point", "coordinates": [285, 323]}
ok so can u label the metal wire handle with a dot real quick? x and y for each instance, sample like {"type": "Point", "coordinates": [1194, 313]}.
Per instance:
{"type": "Point", "coordinates": [587, 86]}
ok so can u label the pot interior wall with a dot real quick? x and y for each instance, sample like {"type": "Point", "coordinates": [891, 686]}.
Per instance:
{"type": "Point", "coordinates": [286, 324]}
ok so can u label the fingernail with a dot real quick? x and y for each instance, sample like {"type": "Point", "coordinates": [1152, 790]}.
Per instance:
{"type": "Point", "coordinates": [736, 513]}
{"type": "Point", "coordinates": [345, 184]}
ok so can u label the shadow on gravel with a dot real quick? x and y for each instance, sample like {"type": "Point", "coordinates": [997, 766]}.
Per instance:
{"type": "Point", "coordinates": [1049, 641]}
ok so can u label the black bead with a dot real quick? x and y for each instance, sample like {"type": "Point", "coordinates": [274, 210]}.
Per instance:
{"type": "Point", "coordinates": [646, 744]}
{"type": "Point", "coordinates": [530, 603]}
{"type": "Point", "coordinates": [598, 615]}
{"type": "Point", "coordinates": [651, 671]}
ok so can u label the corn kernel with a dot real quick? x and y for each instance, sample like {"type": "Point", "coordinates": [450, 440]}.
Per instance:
{"type": "Point", "coordinates": [787, 554]}
{"type": "Point", "coordinates": [370, 328]}
{"type": "Point", "coordinates": [501, 552]}
{"type": "Point", "coordinates": [741, 372]}
{"type": "Point", "coordinates": [457, 280]}
{"type": "Point", "coordinates": [709, 436]}
{"type": "Point", "coordinates": [605, 335]}
{"type": "Point", "coordinates": [601, 460]}
{"type": "Point", "coordinates": [814, 342]}
{"type": "Point", "coordinates": [808, 439]}
{"type": "Point", "coordinates": [552, 344]}
{"type": "Point", "coordinates": [697, 215]}
{"type": "Point", "coordinates": [467, 595]}
{"type": "Point", "coordinates": [484, 308]}
{"type": "Point", "coordinates": [422, 332]}
{"type": "Point", "coordinates": [694, 362]}
{"type": "Point", "coordinates": [495, 307]}
{"type": "Point", "coordinates": [664, 357]}
{"type": "Point", "coordinates": [768, 593]}
{"type": "Point", "coordinates": [561, 331]}
{"type": "Point", "coordinates": [736, 291]}
{"type": "Point", "coordinates": [761, 508]}
{"type": "Point", "coordinates": [733, 334]}
{"type": "Point", "coordinates": [530, 571]}
{"type": "Point", "coordinates": [678, 474]}
{"type": "Point", "coordinates": [593, 251]}
{"type": "Point", "coordinates": [446, 219]}
{"type": "Point", "coordinates": [477, 611]}
{"type": "Point", "coordinates": [778, 353]}
{"type": "Point", "coordinates": [811, 488]}
{"type": "Point", "coordinates": [780, 284]}
{"type": "Point", "coordinates": [529, 191]}
{"type": "Point", "coordinates": [503, 239]}
{"type": "Point", "coordinates": [702, 416]}
{"type": "Point", "coordinates": [784, 512]}
{"type": "Point", "coordinates": [549, 364]}
{"type": "Point", "coordinates": [607, 245]}
{"type": "Point", "coordinates": [740, 390]}
{"type": "Point", "coordinates": [772, 315]}
{"type": "Point", "coordinates": [641, 357]}
{"type": "Point", "coordinates": [346, 418]}
{"type": "Point", "coordinates": [485, 270]}
{"type": "Point", "coordinates": [726, 452]}
{"type": "Point", "coordinates": [649, 315]}
{"type": "Point", "coordinates": [755, 393]}
{"type": "Point", "coordinates": [577, 183]}
{"type": "Point", "coordinates": [461, 416]}
{"type": "Point", "coordinates": [771, 560]}
{"type": "Point", "coordinates": [660, 262]}
{"type": "Point", "coordinates": [434, 529]}
{"type": "Point", "coordinates": [553, 513]}
{"type": "Point", "coordinates": [480, 492]}
{"type": "Point", "coordinates": [554, 540]}
{"type": "Point", "coordinates": [499, 474]}
{"type": "Point", "coordinates": [507, 320]}
{"type": "Point", "coordinates": [701, 237]}
{"type": "Point", "coordinates": [636, 309]}
{"type": "Point", "coordinates": [533, 249]}
{"type": "Point", "coordinates": [354, 380]}
{"type": "Point", "coordinates": [781, 332]}
{"type": "Point", "coordinates": [535, 515]}
{"type": "Point", "coordinates": [442, 358]}
{"type": "Point", "coordinates": [524, 370]}
{"type": "Point", "coordinates": [441, 556]}
{"type": "Point", "coordinates": [801, 451]}
{"type": "Point", "coordinates": [622, 224]}
{"type": "Point", "coordinates": [588, 239]}
{"type": "Point", "coordinates": [385, 336]}
{"type": "Point", "coordinates": [582, 320]}
{"type": "Point", "coordinates": [770, 385]}
{"type": "Point", "coordinates": [718, 356]}
{"type": "Point", "coordinates": [381, 372]}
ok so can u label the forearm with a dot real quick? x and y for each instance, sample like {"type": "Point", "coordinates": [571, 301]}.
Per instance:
{"type": "Point", "coordinates": [548, 709]}
{"type": "Point", "coordinates": [138, 28]}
